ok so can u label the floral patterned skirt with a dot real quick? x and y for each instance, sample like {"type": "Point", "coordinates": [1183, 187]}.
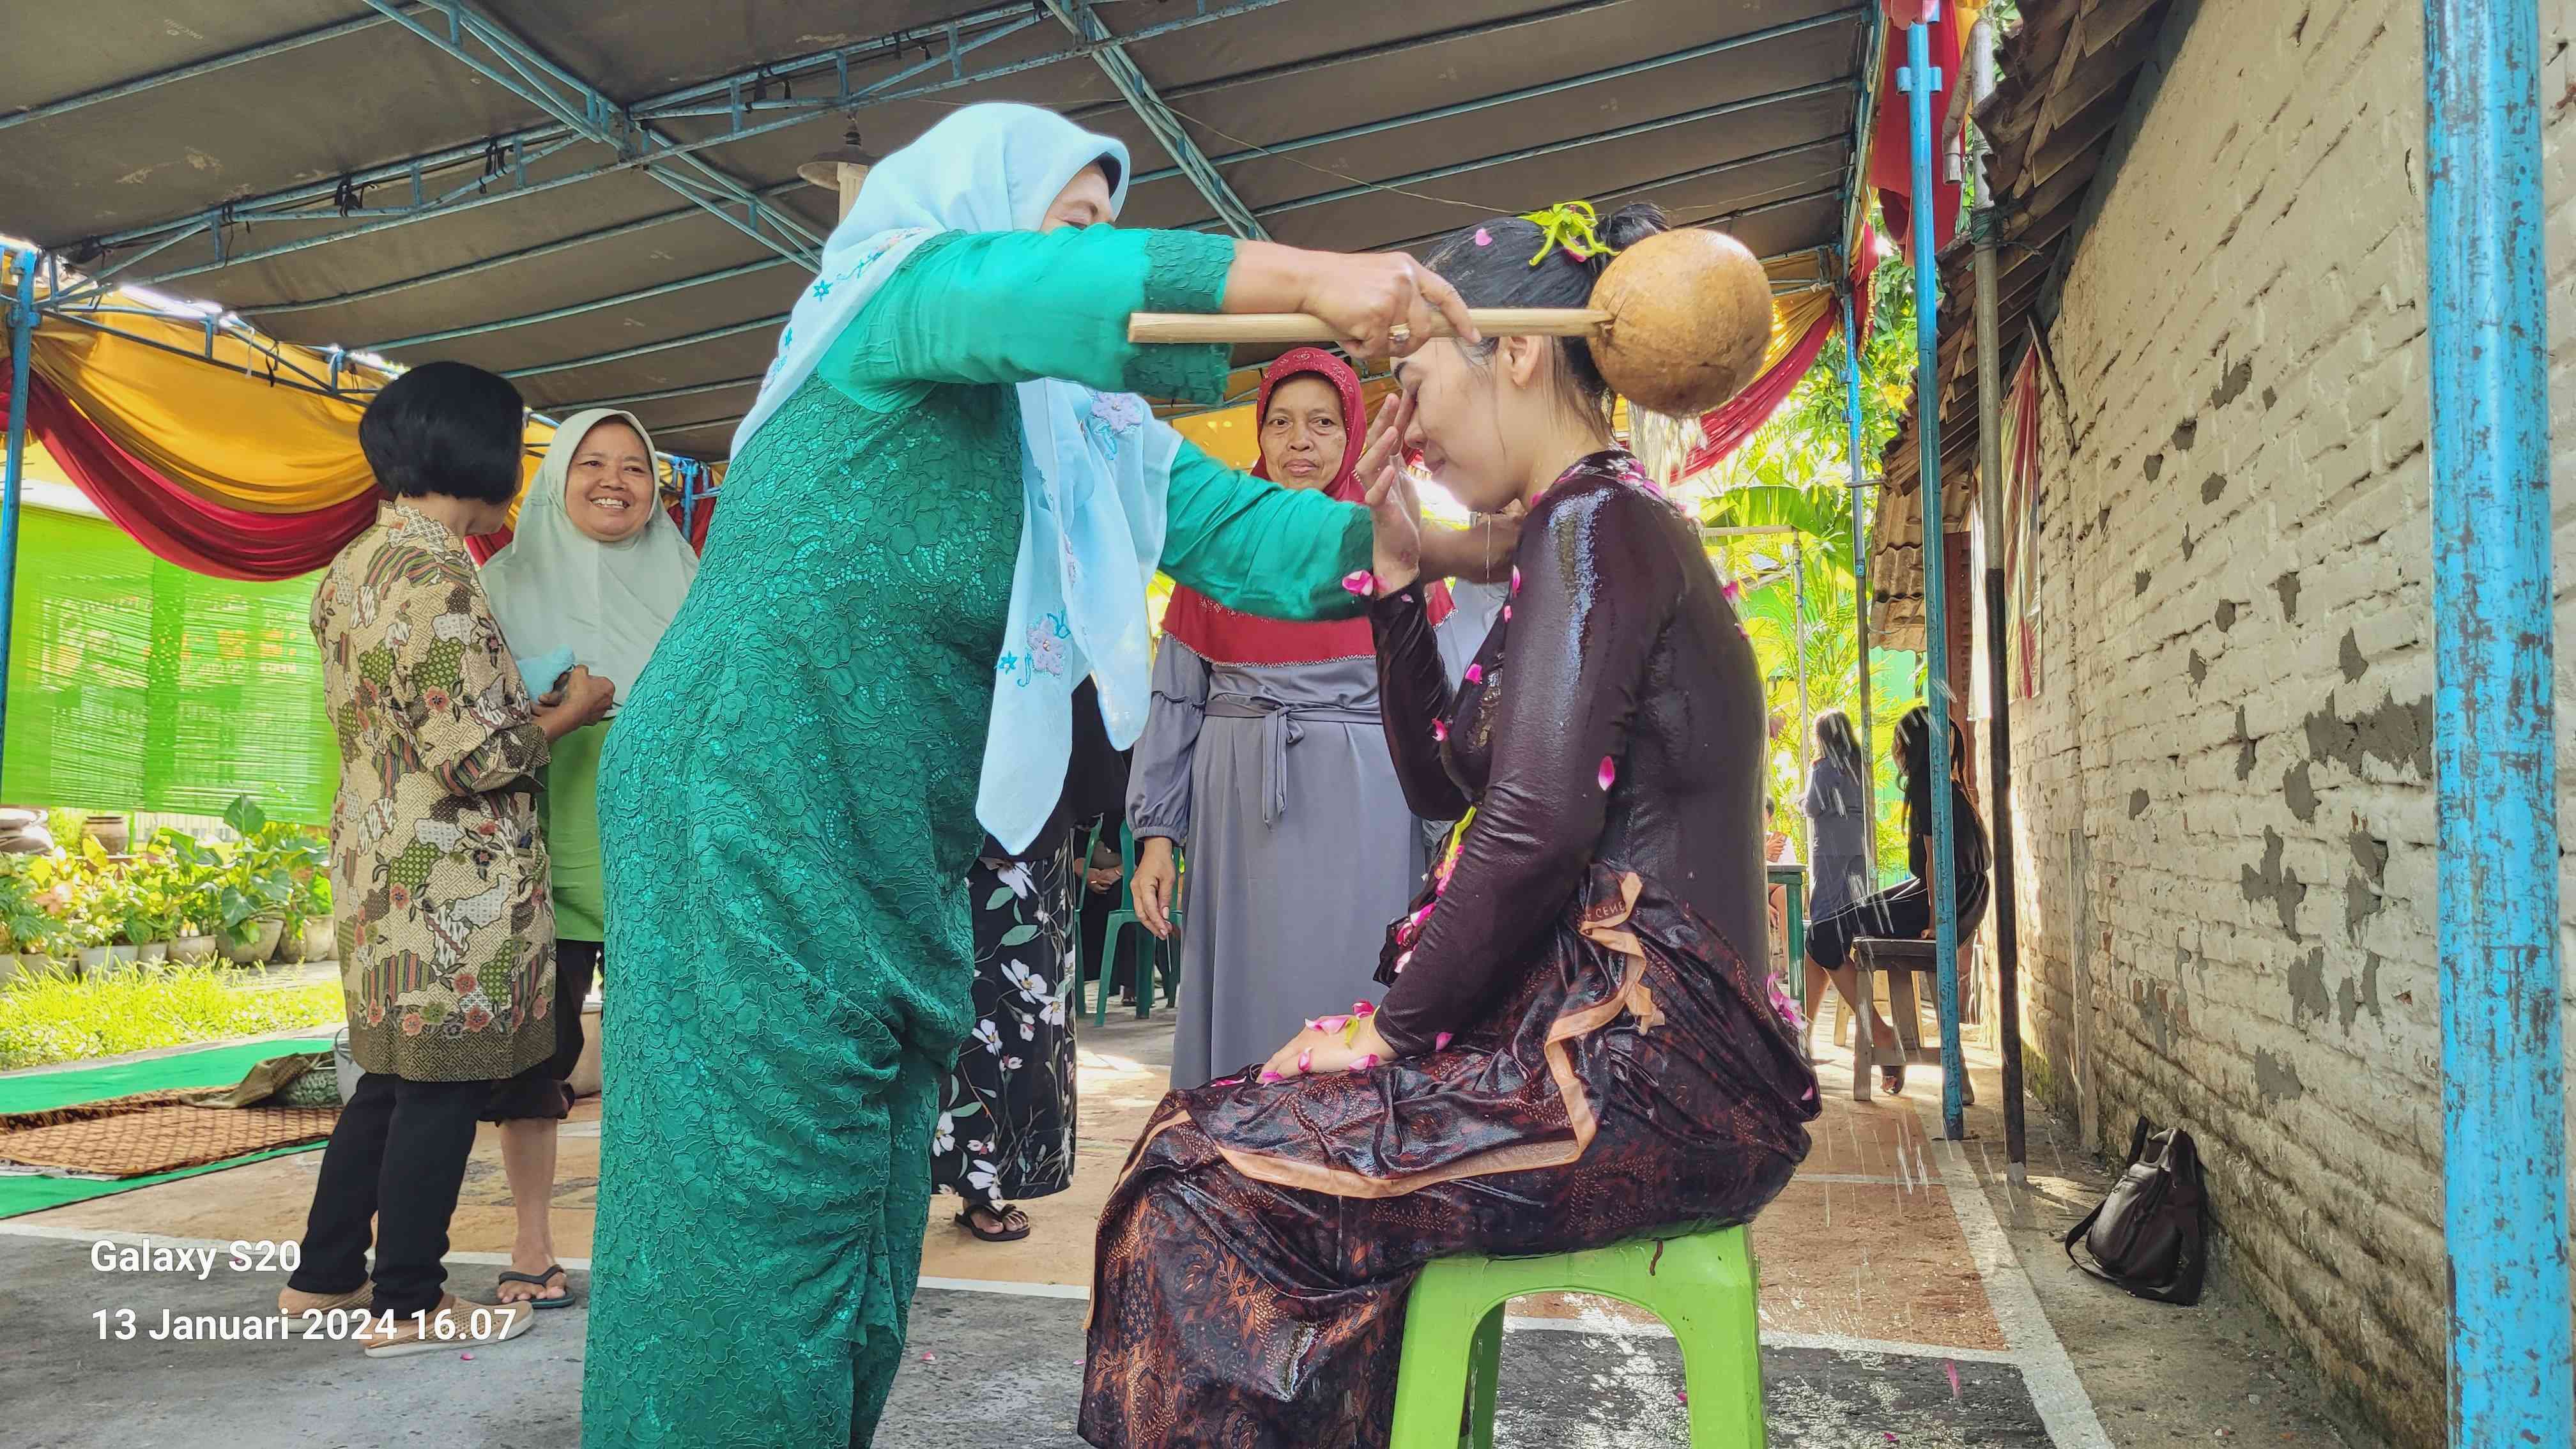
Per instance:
{"type": "Point", "coordinates": [1006, 1114]}
{"type": "Point", "coordinates": [1253, 1261]}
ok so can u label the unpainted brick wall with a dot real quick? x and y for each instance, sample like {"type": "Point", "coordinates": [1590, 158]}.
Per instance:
{"type": "Point", "coordinates": [2225, 797]}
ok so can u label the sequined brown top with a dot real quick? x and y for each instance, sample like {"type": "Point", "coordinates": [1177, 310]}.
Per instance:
{"type": "Point", "coordinates": [1632, 732]}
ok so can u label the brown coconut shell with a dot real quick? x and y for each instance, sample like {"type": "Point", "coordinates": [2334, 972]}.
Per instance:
{"type": "Point", "coordinates": [1690, 317]}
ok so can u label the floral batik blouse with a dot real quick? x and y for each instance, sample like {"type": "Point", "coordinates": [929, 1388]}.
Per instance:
{"type": "Point", "coordinates": [438, 868]}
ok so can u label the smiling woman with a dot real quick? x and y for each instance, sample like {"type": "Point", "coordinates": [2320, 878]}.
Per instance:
{"type": "Point", "coordinates": [590, 581]}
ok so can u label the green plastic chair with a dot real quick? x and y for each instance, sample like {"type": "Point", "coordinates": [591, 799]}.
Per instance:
{"type": "Point", "coordinates": [1701, 1284]}
{"type": "Point", "coordinates": [1147, 959]}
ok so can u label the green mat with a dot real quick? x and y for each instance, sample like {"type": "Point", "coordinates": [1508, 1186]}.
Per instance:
{"type": "Point", "coordinates": [213, 1067]}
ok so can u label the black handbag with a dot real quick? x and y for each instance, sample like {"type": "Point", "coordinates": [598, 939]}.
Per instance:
{"type": "Point", "coordinates": [2146, 1236]}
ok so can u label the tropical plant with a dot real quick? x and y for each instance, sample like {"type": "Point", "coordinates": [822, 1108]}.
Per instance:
{"type": "Point", "coordinates": [276, 872]}
{"type": "Point", "coordinates": [25, 925]}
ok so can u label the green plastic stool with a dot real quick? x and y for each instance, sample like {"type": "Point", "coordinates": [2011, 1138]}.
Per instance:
{"type": "Point", "coordinates": [1701, 1286]}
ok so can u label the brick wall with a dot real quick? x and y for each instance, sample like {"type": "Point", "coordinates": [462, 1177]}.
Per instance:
{"type": "Point", "coordinates": [2226, 815]}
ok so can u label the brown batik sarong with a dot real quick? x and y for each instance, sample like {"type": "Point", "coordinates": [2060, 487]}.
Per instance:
{"type": "Point", "coordinates": [1254, 1259]}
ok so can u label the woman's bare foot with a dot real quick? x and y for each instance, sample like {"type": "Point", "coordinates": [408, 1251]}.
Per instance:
{"type": "Point", "coordinates": [539, 1262]}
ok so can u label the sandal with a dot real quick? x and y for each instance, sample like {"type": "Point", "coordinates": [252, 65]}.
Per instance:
{"type": "Point", "coordinates": [538, 1281]}
{"type": "Point", "coordinates": [1014, 1223]}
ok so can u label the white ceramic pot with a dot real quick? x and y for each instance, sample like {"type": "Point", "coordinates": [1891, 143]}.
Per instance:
{"type": "Point", "coordinates": [193, 950]}
{"type": "Point", "coordinates": [261, 945]}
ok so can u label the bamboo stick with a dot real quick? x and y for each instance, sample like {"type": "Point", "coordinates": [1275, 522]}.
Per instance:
{"type": "Point", "coordinates": [1299, 327]}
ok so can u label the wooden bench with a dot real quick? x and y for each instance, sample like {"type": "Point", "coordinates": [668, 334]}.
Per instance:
{"type": "Point", "coordinates": [1900, 960]}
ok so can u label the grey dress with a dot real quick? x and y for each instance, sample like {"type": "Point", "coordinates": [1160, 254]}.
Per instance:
{"type": "Point", "coordinates": [1838, 836]}
{"type": "Point", "coordinates": [1276, 782]}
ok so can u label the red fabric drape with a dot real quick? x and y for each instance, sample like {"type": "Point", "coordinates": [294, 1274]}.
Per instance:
{"type": "Point", "coordinates": [1726, 428]}
{"type": "Point", "coordinates": [174, 524]}
{"type": "Point", "coordinates": [1891, 151]}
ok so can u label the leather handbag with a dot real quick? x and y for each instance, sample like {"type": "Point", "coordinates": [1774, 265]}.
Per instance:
{"type": "Point", "coordinates": [2147, 1236]}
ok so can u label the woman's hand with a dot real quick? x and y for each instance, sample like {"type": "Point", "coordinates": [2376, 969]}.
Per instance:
{"type": "Point", "coordinates": [580, 698]}
{"type": "Point", "coordinates": [1395, 514]}
{"type": "Point", "coordinates": [1366, 299]}
{"type": "Point", "coordinates": [1383, 304]}
{"type": "Point", "coordinates": [1479, 553]}
{"type": "Point", "coordinates": [1157, 876]}
{"type": "Point", "coordinates": [1317, 1050]}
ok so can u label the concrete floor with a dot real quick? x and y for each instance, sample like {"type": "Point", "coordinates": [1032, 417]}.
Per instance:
{"type": "Point", "coordinates": [1910, 1297]}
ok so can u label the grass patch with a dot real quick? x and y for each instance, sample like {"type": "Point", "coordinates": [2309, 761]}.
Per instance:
{"type": "Point", "coordinates": [56, 1018]}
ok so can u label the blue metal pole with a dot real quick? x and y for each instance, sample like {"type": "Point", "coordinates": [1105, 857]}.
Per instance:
{"type": "Point", "coordinates": [1853, 342]}
{"type": "Point", "coordinates": [2504, 1131]}
{"type": "Point", "coordinates": [1919, 80]}
{"type": "Point", "coordinates": [22, 333]}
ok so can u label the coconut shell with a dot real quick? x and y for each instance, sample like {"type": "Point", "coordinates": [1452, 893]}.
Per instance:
{"type": "Point", "coordinates": [1690, 317]}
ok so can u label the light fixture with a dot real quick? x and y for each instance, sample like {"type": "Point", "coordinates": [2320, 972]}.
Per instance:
{"type": "Point", "coordinates": [841, 169]}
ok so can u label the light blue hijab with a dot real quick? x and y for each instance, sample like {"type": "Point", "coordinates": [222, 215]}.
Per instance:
{"type": "Point", "coordinates": [1094, 467]}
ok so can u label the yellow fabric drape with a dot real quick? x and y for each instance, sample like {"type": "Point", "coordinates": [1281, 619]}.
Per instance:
{"type": "Point", "coordinates": [219, 426]}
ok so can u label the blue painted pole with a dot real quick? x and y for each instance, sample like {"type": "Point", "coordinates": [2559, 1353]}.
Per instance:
{"type": "Point", "coordinates": [2504, 1130]}
{"type": "Point", "coordinates": [1919, 80]}
{"type": "Point", "coordinates": [1853, 343]}
{"type": "Point", "coordinates": [22, 332]}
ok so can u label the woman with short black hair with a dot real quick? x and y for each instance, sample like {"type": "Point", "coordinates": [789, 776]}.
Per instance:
{"type": "Point", "coordinates": [440, 908]}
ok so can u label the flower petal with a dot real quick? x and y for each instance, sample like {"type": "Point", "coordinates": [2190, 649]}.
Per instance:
{"type": "Point", "coordinates": [1475, 674]}
{"type": "Point", "coordinates": [1484, 238]}
{"type": "Point", "coordinates": [1609, 771]}
{"type": "Point", "coordinates": [1440, 731]}
{"type": "Point", "coordinates": [1440, 1043]}
{"type": "Point", "coordinates": [1360, 582]}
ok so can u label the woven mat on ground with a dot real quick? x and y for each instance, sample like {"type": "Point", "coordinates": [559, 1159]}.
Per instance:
{"type": "Point", "coordinates": [150, 1132]}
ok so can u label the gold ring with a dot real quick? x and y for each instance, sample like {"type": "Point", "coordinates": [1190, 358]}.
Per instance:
{"type": "Point", "coordinates": [1399, 334]}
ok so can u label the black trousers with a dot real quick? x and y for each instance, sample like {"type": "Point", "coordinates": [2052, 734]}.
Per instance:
{"type": "Point", "coordinates": [398, 1157]}
{"type": "Point", "coordinates": [541, 1092]}
{"type": "Point", "coordinates": [1902, 911]}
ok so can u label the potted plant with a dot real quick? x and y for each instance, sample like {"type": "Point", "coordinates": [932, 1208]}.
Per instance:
{"type": "Point", "coordinates": [189, 877]}
{"type": "Point", "coordinates": [256, 887]}
{"type": "Point", "coordinates": [29, 934]}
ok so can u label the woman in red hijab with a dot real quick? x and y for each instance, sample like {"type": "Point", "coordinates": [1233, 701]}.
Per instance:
{"type": "Point", "coordinates": [1264, 758]}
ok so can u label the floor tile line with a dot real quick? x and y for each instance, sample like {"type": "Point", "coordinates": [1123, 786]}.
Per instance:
{"type": "Point", "coordinates": [2055, 1390]}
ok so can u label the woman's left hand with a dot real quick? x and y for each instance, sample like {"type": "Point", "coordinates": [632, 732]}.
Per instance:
{"type": "Point", "coordinates": [1315, 1050]}
{"type": "Point", "coordinates": [1395, 515]}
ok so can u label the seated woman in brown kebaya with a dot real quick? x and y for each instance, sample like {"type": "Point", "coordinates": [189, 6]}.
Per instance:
{"type": "Point", "coordinates": [1578, 1042]}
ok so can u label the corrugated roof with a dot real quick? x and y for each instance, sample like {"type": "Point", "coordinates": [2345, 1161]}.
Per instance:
{"type": "Point", "coordinates": [2066, 77]}
{"type": "Point", "coordinates": [405, 176]}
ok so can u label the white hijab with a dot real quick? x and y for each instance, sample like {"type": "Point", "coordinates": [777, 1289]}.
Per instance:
{"type": "Point", "coordinates": [1094, 467]}
{"type": "Point", "coordinates": [557, 590]}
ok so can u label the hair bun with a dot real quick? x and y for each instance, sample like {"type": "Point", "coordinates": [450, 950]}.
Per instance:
{"type": "Point", "coordinates": [1632, 224]}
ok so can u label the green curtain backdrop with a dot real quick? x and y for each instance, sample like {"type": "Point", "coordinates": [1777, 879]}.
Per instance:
{"type": "Point", "coordinates": [137, 685]}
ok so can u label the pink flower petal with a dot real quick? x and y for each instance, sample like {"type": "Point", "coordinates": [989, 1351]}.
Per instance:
{"type": "Point", "coordinates": [1362, 583]}
{"type": "Point", "coordinates": [1609, 771]}
{"type": "Point", "coordinates": [1331, 1023]}
{"type": "Point", "coordinates": [1682, 1397]}
{"type": "Point", "coordinates": [1516, 578]}
{"type": "Point", "coordinates": [1507, 613]}
{"type": "Point", "coordinates": [1403, 961]}
{"type": "Point", "coordinates": [1306, 1061]}
{"type": "Point", "coordinates": [469, 1358]}
{"type": "Point", "coordinates": [1475, 674]}
{"type": "Point", "coordinates": [1440, 1043]}
{"type": "Point", "coordinates": [1363, 1008]}
{"type": "Point", "coordinates": [1484, 238]}
{"type": "Point", "coordinates": [1440, 730]}
{"type": "Point", "coordinates": [1364, 1063]}
{"type": "Point", "coordinates": [1267, 1077]}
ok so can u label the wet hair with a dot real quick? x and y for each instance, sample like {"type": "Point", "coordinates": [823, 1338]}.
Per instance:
{"type": "Point", "coordinates": [444, 427]}
{"type": "Point", "coordinates": [1836, 742]}
{"type": "Point", "coordinates": [1497, 273]}
{"type": "Point", "coordinates": [1914, 764]}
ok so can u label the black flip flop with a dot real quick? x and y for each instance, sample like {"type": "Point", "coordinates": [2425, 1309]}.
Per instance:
{"type": "Point", "coordinates": [1003, 1234]}
{"type": "Point", "coordinates": [539, 1281]}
